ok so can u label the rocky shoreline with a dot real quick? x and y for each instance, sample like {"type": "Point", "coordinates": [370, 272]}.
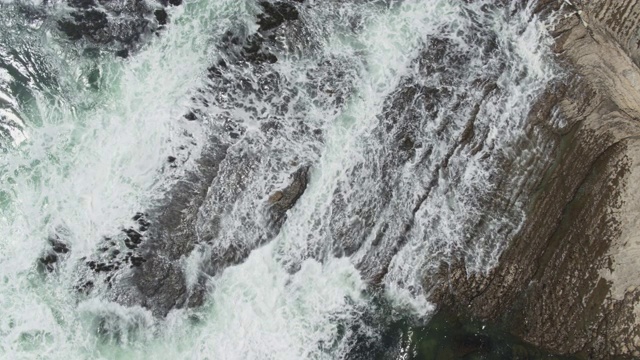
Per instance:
{"type": "Point", "coordinates": [569, 281]}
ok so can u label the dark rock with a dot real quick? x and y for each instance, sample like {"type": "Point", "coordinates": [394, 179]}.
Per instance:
{"type": "Point", "coordinates": [133, 235]}
{"type": "Point", "coordinates": [58, 246]}
{"type": "Point", "coordinates": [275, 197]}
{"type": "Point", "coordinates": [87, 23]}
{"type": "Point", "coordinates": [258, 48]}
{"type": "Point", "coordinates": [124, 53]}
{"type": "Point", "coordinates": [116, 26]}
{"type": "Point", "coordinates": [143, 224]}
{"type": "Point", "coordinates": [161, 16]}
{"type": "Point", "coordinates": [276, 14]}
{"type": "Point", "coordinates": [171, 159]}
{"type": "Point", "coordinates": [137, 260]}
{"type": "Point", "coordinates": [190, 116]}
{"type": "Point", "coordinates": [254, 52]}
{"type": "Point", "coordinates": [133, 239]}
{"type": "Point", "coordinates": [49, 261]}
{"type": "Point", "coordinates": [85, 288]}
{"type": "Point", "coordinates": [54, 254]}
{"type": "Point", "coordinates": [130, 244]}
{"type": "Point", "coordinates": [82, 4]}
{"type": "Point", "coordinates": [283, 200]}
{"type": "Point", "coordinates": [101, 266]}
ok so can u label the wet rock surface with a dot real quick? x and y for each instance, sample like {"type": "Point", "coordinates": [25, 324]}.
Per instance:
{"type": "Point", "coordinates": [121, 25]}
{"type": "Point", "coordinates": [145, 263]}
{"type": "Point", "coordinates": [283, 200]}
{"type": "Point", "coordinates": [434, 130]}
{"type": "Point", "coordinates": [567, 282]}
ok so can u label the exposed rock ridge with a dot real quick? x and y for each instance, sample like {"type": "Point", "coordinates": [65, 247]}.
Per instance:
{"type": "Point", "coordinates": [569, 282]}
{"type": "Point", "coordinates": [232, 182]}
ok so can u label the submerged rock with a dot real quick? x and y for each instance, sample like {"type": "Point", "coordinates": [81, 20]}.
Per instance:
{"type": "Point", "coordinates": [124, 53]}
{"type": "Point", "coordinates": [58, 246]}
{"type": "Point", "coordinates": [54, 253]}
{"type": "Point", "coordinates": [48, 261]}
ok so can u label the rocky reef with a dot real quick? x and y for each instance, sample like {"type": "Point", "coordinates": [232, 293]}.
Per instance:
{"type": "Point", "coordinates": [568, 282]}
{"type": "Point", "coordinates": [144, 264]}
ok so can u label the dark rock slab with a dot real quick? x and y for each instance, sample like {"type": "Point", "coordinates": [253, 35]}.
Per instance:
{"type": "Point", "coordinates": [283, 200]}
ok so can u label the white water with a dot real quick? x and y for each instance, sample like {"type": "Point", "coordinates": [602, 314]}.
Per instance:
{"type": "Point", "coordinates": [90, 154]}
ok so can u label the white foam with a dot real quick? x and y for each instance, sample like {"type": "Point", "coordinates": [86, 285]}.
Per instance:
{"type": "Point", "coordinates": [93, 158]}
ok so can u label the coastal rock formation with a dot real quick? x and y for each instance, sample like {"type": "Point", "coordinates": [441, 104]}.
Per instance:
{"type": "Point", "coordinates": [569, 281]}
{"type": "Point", "coordinates": [146, 263]}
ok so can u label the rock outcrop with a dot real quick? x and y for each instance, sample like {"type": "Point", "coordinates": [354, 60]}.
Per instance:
{"type": "Point", "coordinates": [569, 282]}
{"type": "Point", "coordinates": [240, 177]}
{"type": "Point", "coordinates": [119, 25]}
